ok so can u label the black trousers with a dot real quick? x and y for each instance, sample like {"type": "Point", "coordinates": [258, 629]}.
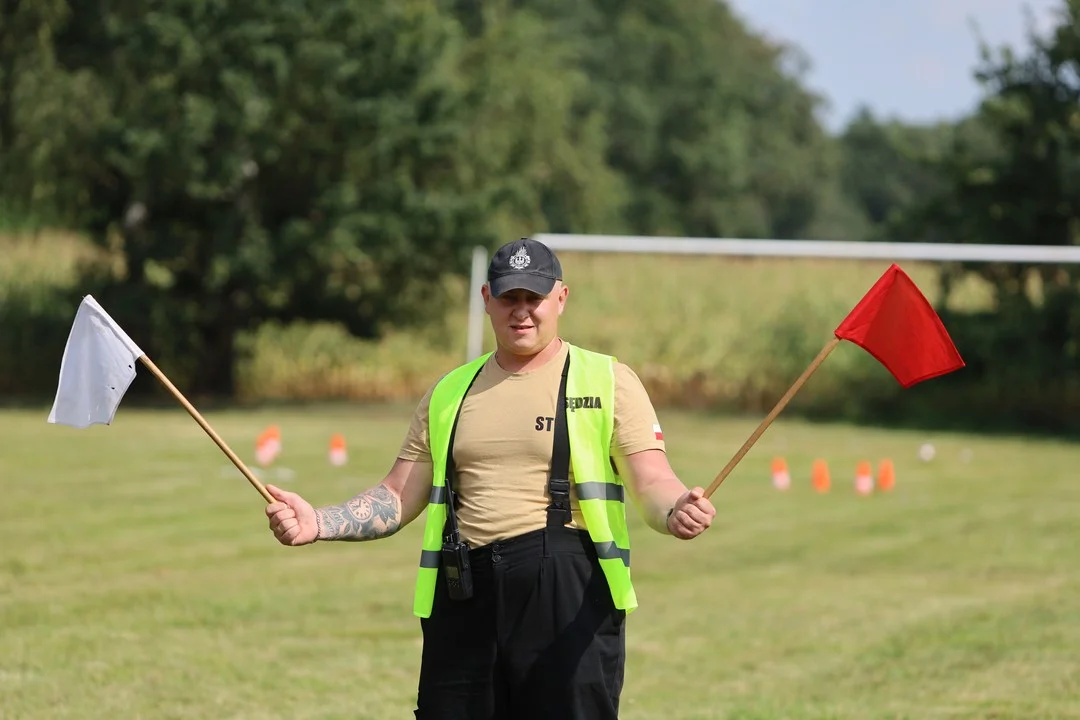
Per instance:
{"type": "Point", "coordinates": [540, 638]}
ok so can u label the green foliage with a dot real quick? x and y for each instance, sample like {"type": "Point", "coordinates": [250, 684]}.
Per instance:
{"type": "Point", "coordinates": [707, 123]}
{"type": "Point", "coordinates": [44, 111]}
{"type": "Point", "coordinates": [548, 159]}
{"type": "Point", "coordinates": [281, 191]}
{"type": "Point", "coordinates": [714, 333]}
{"type": "Point", "coordinates": [1011, 175]}
{"type": "Point", "coordinates": [886, 167]}
{"type": "Point", "coordinates": [332, 162]}
{"type": "Point", "coordinates": [307, 161]}
{"type": "Point", "coordinates": [272, 162]}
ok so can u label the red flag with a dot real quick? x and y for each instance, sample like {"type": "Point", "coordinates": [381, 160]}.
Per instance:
{"type": "Point", "coordinates": [895, 323]}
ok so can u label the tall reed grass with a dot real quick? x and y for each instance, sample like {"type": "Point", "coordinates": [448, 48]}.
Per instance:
{"type": "Point", "coordinates": [716, 332]}
{"type": "Point", "coordinates": [699, 331]}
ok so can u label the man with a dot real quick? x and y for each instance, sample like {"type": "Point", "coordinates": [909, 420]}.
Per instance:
{"type": "Point", "coordinates": [520, 459]}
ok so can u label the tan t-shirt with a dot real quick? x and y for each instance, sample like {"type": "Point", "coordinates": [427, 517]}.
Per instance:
{"type": "Point", "coordinates": [502, 450]}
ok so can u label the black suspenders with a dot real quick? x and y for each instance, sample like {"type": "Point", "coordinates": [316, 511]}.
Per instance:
{"type": "Point", "coordinates": [558, 512]}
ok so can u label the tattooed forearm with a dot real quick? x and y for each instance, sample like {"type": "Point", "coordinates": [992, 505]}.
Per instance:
{"type": "Point", "coordinates": [368, 516]}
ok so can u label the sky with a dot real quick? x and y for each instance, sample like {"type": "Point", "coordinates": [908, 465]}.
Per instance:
{"type": "Point", "coordinates": [909, 59]}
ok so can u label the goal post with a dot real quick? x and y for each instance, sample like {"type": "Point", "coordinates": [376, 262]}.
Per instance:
{"type": "Point", "coordinates": [821, 249]}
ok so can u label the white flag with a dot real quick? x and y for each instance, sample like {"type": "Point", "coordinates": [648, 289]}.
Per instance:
{"type": "Point", "coordinates": [96, 370]}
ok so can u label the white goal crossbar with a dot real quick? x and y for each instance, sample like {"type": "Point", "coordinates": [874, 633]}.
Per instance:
{"type": "Point", "coordinates": [891, 251]}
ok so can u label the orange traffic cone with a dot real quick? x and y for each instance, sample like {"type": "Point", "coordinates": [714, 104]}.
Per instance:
{"type": "Point", "coordinates": [819, 476]}
{"type": "Point", "coordinates": [886, 475]}
{"type": "Point", "coordinates": [268, 445]}
{"type": "Point", "coordinates": [781, 478]}
{"type": "Point", "coordinates": [338, 456]}
{"type": "Point", "coordinates": [864, 480]}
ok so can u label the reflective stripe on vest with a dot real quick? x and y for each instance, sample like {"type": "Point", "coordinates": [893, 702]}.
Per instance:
{"type": "Point", "coordinates": [445, 399]}
{"type": "Point", "coordinates": [600, 493]}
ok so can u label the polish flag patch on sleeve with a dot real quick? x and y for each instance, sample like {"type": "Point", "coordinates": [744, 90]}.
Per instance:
{"type": "Point", "coordinates": [657, 432]}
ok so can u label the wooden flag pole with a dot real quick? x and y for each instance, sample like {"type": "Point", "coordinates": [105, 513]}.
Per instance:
{"type": "Point", "coordinates": [829, 347]}
{"type": "Point", "coordinates": [209, 430]}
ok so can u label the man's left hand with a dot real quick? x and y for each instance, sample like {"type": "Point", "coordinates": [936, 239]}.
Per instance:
{"type": "Point", "coordinates": [692, 515]}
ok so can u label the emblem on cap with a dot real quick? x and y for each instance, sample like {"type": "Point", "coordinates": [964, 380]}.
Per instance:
{"type": "Point", "coordinates": [520, 260]}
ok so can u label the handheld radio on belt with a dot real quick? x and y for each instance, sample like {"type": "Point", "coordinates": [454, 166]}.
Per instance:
{"type": "Point", "coordinates": [455, 553]}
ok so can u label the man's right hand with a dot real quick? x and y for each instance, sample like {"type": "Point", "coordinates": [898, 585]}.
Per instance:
{"type": "Point", "coordinates": [292, 518]}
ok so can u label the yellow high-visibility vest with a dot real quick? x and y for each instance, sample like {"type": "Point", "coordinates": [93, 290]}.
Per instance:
{"type": "Point", "coordinates": [600, 491]}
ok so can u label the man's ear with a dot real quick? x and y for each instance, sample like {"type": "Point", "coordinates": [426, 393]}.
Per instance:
{"type": "Point", "coordinates": [564, 292]}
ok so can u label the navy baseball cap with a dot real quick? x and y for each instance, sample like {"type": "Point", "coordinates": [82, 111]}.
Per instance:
{"type": "Point", "coordinates": [523, 264]}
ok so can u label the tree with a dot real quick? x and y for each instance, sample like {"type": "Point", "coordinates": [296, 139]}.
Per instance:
{"type": "Point", "coordinates": [886, 167]}
{"type": "Point", "coordinates": [42, 108]}
{"type": "Point", "coordinates": [546, 159]}
{"type": "Point", "coordinates": [708, 124]}
{"type": "Point", "coordinates": [260, 160]}
{"type": "Point", "coordinates": [1012, 176]}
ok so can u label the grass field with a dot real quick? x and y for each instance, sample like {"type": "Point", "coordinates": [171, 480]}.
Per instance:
{"type": "Point", "coordinates": [138, 579]}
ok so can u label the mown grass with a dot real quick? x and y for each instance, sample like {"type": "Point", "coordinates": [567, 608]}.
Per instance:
{"type": "Point", "coordinates": [138, 578]}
